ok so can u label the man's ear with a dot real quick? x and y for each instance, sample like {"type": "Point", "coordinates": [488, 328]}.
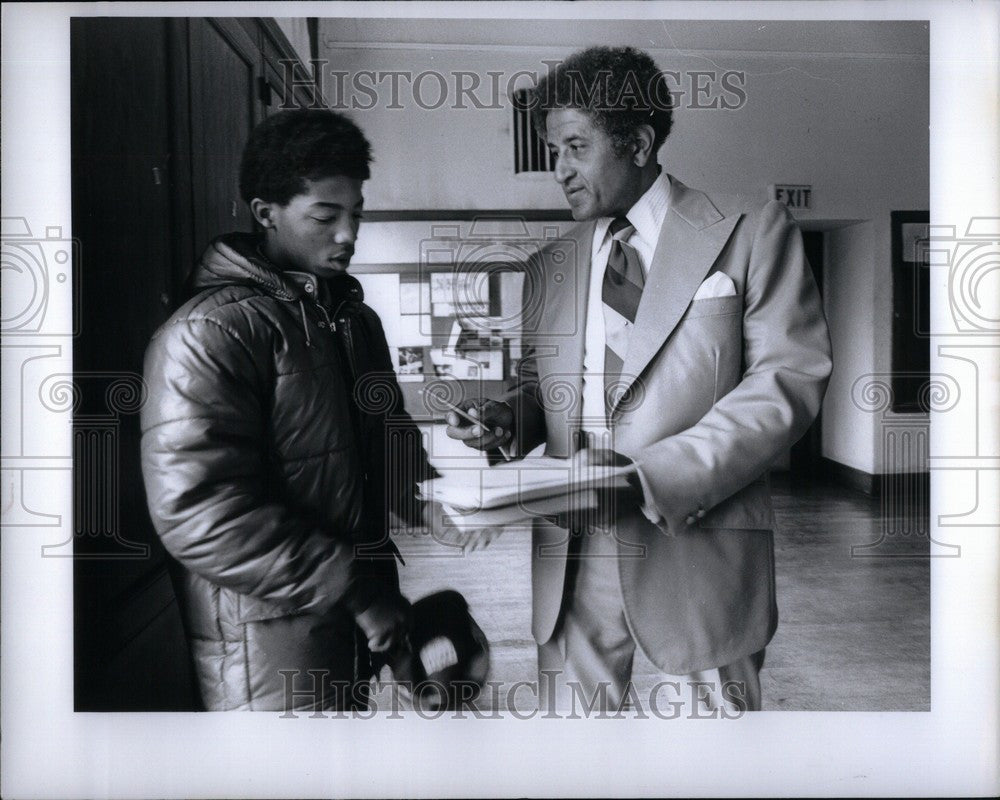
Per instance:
{"type": "Point", "coordinates": [643, 144]}
{"type": "Point", "coordinates": [263, 212]}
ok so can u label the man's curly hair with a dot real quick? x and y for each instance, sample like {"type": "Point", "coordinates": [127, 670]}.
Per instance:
{"type": "Point", "coordinates": [619, 87]}
{"type": "Point", "coordinates": [291, 147]}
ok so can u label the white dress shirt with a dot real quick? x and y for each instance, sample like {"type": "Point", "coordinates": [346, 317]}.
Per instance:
{"type": "Point", "coordinates": [647, 217]}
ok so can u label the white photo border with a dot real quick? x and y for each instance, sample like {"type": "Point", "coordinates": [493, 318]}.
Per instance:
{"type": "Point", "coordinates": [50, 751]}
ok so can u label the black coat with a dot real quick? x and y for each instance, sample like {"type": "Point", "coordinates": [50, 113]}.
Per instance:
{"type": "Point", "coordinates": [272, 422]}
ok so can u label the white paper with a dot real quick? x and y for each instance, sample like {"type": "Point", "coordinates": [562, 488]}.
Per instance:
{"type": "Point", "coordinates": [519, 481]}
{"type": "Point", "coordinates": [414, 298]}
{"type": "Point", "coordinates": [382, 295]}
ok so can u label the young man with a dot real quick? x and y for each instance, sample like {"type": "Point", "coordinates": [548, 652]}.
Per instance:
{"type": "Point", "coordinates": [698, 348]}
{"type": "Point", "coordinates": [274, 438]}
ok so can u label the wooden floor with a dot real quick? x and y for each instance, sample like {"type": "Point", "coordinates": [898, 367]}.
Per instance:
{"type": "Point", "coordinates": [854, 629]}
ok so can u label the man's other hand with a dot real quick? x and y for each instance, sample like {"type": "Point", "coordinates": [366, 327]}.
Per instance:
{"type": "Point", "coordinates": [442, 530]}
{"type": "Point", "coordinates": [611, 502]}
{"type": "Point", "coordinates": [494, 424]}
{"type": "Point", "coordinates": [600, 457]}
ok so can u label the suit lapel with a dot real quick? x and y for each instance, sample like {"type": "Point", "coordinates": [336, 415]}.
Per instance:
{"type": "Point", "coordinates": [692, 236]}
{"type": "Point", "coordinates": [566, 284]}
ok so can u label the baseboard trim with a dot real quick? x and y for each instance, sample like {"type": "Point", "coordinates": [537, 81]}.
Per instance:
{"type": "Point", "coordinates": [850, 477]}
{"type": "Point", "coordinates": [865, 482]}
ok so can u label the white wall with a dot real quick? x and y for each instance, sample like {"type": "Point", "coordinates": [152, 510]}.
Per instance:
{"type": "Point", "coordinates": [855, 128]}
{"type": "Point", "coordinates": [848, 431]}
{"type": "Point", "coordinates": [853, 124]}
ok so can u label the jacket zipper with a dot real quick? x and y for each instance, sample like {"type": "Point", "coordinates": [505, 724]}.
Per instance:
{"type": "Point", "coordinates": [346, 332]}
{"type": "Point", "coordinates": [348, 339]}
{"type": "Point", "coordinates": [345, 324]}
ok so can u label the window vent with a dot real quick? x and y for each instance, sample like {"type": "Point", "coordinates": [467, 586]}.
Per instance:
{"type": "Point", "coordinates": [530, 152]}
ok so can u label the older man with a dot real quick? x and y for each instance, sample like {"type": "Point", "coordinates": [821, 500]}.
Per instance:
{"type": "Point", "coordinates": [697, 346]}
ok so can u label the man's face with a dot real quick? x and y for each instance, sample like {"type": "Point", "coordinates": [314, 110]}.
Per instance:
{"type": "Point", "coordinates": [315, 232]}
{"type": "Point", "coordinates": [596, 181]}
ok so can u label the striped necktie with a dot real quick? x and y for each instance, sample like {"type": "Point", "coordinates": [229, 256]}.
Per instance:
{"type": "Point", "coordinates": [621, 292]}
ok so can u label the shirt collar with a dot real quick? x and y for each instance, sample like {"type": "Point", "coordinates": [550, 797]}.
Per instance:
{"type": "Point", "coordinates": [648, 213]}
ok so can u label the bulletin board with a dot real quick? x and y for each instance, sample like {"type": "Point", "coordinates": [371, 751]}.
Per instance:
{"type": "Point", "coordinates": [452, 333]}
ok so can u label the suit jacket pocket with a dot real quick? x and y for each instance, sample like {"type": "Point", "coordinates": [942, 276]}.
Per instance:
{"type": "Point", "coordinates": [748, 509]}
{"type": "Point", "coordinates": [715, 306]}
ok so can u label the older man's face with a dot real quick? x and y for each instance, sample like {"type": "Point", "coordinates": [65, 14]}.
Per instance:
{"type": "Point", "coordinates": [596, 181]}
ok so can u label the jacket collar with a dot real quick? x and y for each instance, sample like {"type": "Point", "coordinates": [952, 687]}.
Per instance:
{"type": "Point", "coordinates": [237, 258]}
{"type": "Point", "coordinates": [694, 233]}
{"type": "Point", "coordinates": [329, 292]}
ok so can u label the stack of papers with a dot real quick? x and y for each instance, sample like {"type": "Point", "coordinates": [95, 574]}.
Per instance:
{"type": "Point", "coordinates": [515, 492]}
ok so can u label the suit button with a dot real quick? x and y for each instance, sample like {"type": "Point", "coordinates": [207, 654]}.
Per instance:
{"type": "Point", "coordinates": [701, 513]}
{"type": "Point", "coordinates": [691, 519]}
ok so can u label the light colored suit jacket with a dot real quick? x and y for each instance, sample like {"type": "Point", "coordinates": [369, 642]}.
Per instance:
{"type": "Point", "coordinates": [720, 387]}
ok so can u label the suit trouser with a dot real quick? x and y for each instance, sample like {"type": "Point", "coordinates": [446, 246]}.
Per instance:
{"type": "Point", "coordinates": [588, 660]}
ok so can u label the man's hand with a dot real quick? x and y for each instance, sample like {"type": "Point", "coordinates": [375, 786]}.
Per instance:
{"type": "Point", "coordinates": [611, 502]}
{"type": "Point", "coordinates": [494, 428]}
{"type": "Point", "coordinates": [441, 530]}
{"type": "Point", "coordinates": [468, 540]}
{"type": "Point", "coordinates": [386, 623]}
{"type": "Point", "coordinates": [600, 457]}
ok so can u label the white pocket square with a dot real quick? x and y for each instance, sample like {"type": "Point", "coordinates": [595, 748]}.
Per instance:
{"type": "Point", "coordinates": [716, 285]}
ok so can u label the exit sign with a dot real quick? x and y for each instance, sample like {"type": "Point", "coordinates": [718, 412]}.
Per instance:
{"type": "Point", "coordinates": [793, 195]}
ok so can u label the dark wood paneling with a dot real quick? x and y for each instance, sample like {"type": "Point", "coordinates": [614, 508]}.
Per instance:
{"type": "Point", "coordinates": [121, 212]}
{"type": "Point", "coordinates": [185, 250]}
{"type": "Point", "coordinates": [280, 63]}
{"type": "Point", "coordinates": [121, 209]}
{"type": "Point", "coordinates": [121, 219]}
{"type": "Point", "coordinates": [161, 110]}
{"type": "Point", "coordinates": [132, 680]}
{"type": "Point", "coordinates": [224, 70]}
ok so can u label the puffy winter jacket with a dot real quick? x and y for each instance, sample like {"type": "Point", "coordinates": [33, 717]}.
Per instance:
{"type": "Point", "coordinates": [273, 444]}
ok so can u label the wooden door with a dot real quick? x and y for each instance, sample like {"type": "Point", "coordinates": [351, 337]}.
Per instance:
{"type": "Point", "coordinates": [123, 272]}
{"type": "Point", "coordinates": [224, 72]}
{"type": "Point", "coordinates": [161, 111]}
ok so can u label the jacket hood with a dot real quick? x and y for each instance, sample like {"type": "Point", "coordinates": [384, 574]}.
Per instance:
{"type": "Point", "coordinates": [234, 259]}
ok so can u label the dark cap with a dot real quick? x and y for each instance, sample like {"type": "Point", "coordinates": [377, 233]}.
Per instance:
{"type": "Point", "coordinates": [448, 653]}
